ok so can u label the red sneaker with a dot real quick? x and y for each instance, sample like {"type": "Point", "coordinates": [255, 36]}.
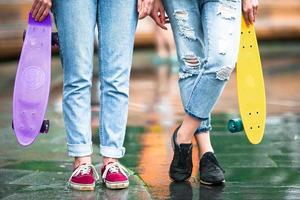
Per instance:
{"type": "Point", "coordinates": [83, 177]}
{"type": "Point", "coordinates": [114, 175]}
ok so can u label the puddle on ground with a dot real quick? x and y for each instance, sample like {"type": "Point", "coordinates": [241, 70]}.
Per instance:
{"type": "Point", "coordinates": [269, 170]}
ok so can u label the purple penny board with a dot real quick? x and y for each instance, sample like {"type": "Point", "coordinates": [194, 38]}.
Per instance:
{"type": "Point", "coordinates": [32, 83]}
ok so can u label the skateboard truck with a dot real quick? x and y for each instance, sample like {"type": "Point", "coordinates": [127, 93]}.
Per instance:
{"type": "Point", "coordinates": [44, 128]}
{"type": "Point", "coordinates": [54, 38]}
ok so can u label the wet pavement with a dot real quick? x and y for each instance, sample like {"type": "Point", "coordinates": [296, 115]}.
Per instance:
{"type": "Point", "coordinates": [41, 170]}
{"type": "Point", "coordinates": [270, 170]}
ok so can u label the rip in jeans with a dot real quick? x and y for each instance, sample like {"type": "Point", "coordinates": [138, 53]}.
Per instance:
{"type": "Point", "coordinates": [226, 9]}
{"type": "Point", "coordinates": [185, 29]}
{"type": "Point", "coordinates": [223, 74]}
{"type": "Point", "coordinates": [192, 64]}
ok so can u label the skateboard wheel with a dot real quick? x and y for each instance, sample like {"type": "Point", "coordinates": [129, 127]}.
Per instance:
{"type": "Point", "coordinates": [45, 126]}
{"type": "Point", "coordinates": [235, 125]}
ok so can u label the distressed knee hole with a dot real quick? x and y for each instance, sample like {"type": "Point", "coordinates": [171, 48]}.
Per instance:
{"type": "Point", "coordinates": [191, 61]}
{"type": "Point", "coordinates": [191, 66]}
{"type": "Point", "coordinates": [181, 15]}
{"type": "Point", "coordinates": [185, 29]}
{"type": "Point", "coordinates": [183, 75]}
{"type": "Point", "coordinates": [224, 73]}
{"type": "Point", "coordinates": [226, 9]}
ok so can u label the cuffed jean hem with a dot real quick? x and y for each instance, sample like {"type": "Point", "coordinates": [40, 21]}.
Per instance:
{"type": "Point", "coordinates": [202, 130]}
{"type": "Point", "coordinates": [80, 150]}
{"type": "Point", "coordinates": [112, 152]}
{"type": "Point", "coordinates": [193, 115]}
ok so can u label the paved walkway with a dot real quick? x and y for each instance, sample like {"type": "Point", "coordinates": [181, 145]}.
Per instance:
{"type": "Point", "coordinates": [41, 170]}
{"type": "Point", "coordinates": [269, 170]}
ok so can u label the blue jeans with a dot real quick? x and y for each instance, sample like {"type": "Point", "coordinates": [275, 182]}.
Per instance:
{"type": "Point", "coordinates": [207, 35]}
{"type": "Point", "coordinates": [76, 21]}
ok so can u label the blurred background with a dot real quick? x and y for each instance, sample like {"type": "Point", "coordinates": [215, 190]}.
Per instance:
{"type": "Point", "coordinates": [155, 106]}
{"type": "Point", "coordinates": [154, 70]}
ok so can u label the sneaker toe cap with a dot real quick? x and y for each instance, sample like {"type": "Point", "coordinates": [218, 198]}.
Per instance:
{"type": "Point", "coordinates": [116, 177]}
{"type": "Point", "coordinates": [83, 179]}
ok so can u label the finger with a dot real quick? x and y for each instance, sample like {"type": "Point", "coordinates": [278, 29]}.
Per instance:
{"type": "Point", "coordinates": [255, 12]}
{"type": "Point", "coordinates": [139, 5]}
{"type": "Point", "coordinates": [162, 24]}
{"type": "Point", "coordinates": [36, 9]}
{"type": "Point", "coordinates": [158, 21]}
{"type": "Point", "coordinates": [145, 7]}
{"type": "Point", "coordinates": [142, 14]}
{"type": "Point", "coordinates": [40, 12]}
{"type": "Point", "coordinates": [33, 6]}
{"type": "Point", "coordinates": [162, 15]}
{"type": "Point", "coordinates": [149, 7]}
{"type": "Point", "coordinates": [251, 16]}
{"type": "Point", "coordinates": [246, 17]}
{"type": "Point", "coordinates": [44, 15]}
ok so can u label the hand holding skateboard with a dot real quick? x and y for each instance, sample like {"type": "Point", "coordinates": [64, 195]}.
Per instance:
{"type": "Point", "coordinates": [40, 9]}
{"type": "Point", "coordinates": [251, 89]}
{"type": "Point", "coordinates": [32, 83]}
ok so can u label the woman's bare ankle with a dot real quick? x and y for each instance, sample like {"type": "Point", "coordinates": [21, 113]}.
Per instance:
{"type": "Point", "coordinates": [204, 144]}
{"type": "Point", "coordinates": [107, 160]}
{"type": "Point", "coordinates": [182, 138]}
{"type": "Point", "coordinates": [187, 129]}
{"type": "Point", "coordinates": [81, 160]}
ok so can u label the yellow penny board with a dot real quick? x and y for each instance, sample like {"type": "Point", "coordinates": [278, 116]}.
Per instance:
{"type": "Point", "coordinates": [250, 85]}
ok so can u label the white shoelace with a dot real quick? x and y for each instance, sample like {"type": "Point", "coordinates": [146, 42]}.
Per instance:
{"type": "Point", "coordinates": [85, 169]}
{"type": "Point", "coordinates": [114, 168]}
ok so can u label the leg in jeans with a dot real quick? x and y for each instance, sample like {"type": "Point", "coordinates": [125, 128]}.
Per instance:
{"type": "Point", "coordinates": [185, 18]}
{"type": "Point", "coordinates": [207, 39]}
{"type": "Point", "coordinates": [75, 22]}
{"type": "Point", "coordinates": [221, 28]}
{"type": "Point", "coordinates": [117, 24]}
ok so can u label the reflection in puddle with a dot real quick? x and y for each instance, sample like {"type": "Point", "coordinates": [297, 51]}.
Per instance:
{"type": "Point", "coordinates": [114, 194]}
{"type": "Point", "coordinates": [99, 194]}
{"type": "Point", "coordinates": [181, 191]}
{"type": "Point", "coordinates": [275, 161]}
{"type": "Point", "coordinates": [211, 193]}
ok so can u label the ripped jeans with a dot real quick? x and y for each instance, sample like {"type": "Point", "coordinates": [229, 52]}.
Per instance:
{"type": "Point", "coordinates": [207, 35]}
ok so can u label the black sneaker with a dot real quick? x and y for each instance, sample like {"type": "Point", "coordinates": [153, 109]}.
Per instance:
{"type": "Point", "coordinates": [181, 166]}
{"type": "Point", "coordinates": [210, 171]}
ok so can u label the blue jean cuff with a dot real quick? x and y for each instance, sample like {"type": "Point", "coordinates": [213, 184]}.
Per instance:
{"type": "Point", "coordinates": [203, 130]}
{"type": "Point", "coordinates": [112, 152]}
{"type": "Point", "coordinates": [79, 150]}
{"type": "Point", "coordinates": [195, 116]}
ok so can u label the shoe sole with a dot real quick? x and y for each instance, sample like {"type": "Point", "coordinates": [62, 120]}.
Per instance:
{"type": "Point", "coordinates": [82, 187]}
{"type": "Point", "coordinates": [208, 183]}
{"type": "Point", "coordinates": [115, 186]}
